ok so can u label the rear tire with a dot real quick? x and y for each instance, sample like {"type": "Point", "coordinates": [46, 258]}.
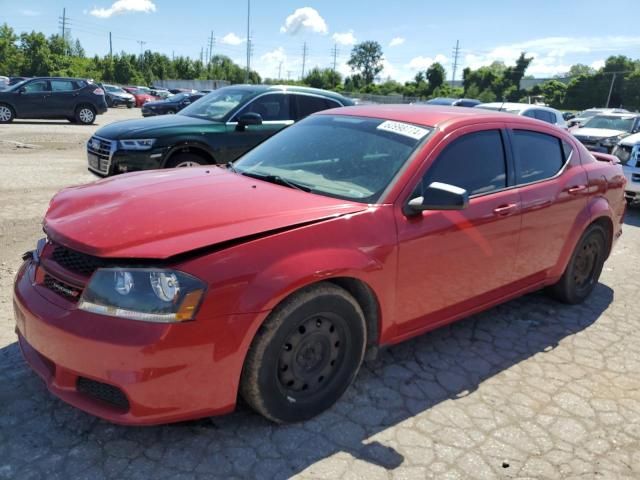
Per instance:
{"type": "Point", "coordinates": [186, 159]}
{"type": "Point", "coordinates": [305, 355]}
{"type": "Point", "coordinates": [85, 115]}
{"type": "Point", "coordinates": [584, 268]}
{"type": "Point", "coordinates": [6, 113]}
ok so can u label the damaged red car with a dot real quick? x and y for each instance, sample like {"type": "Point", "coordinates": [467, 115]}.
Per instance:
{"type": "Point", "coordinates": [165, 295]}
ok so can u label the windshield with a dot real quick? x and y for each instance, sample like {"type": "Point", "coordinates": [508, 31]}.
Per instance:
{"type": "Point", "coordinates": [112, 89]}
{"type": "Point", "coordinates": [611, 123]}
{"type": "Point", "coordinates": [588, 113]}
{"type": "Point", "coordinates": [215, 106]}
{"type": "Point", "coordinates": [352, 158]}
{"type": "Point", "coordinates": [18, 85]}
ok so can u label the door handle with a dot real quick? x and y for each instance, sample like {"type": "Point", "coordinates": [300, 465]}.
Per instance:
{"type": "Point", "coordinates": [504, 210]}
{"type": "Point", "coordinates": [577, 189]}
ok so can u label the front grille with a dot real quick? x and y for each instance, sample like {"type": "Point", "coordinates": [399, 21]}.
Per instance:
{"type": "Point", "coordinates": [103, 391]}
{"type": "Point", "coordinates": [61, 288]}
{"type": "Point", "coordinates": [77, 262]}
{"type": "Point", "coordinates": [99, 153]}
{"type": "Point", "coordinates": [623, 152]}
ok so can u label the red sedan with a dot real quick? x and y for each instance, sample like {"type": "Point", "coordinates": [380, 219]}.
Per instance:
{"type": "Point", "coordinates": [141, 96]}
{"type": "Point", "coordinates": [161, 296]}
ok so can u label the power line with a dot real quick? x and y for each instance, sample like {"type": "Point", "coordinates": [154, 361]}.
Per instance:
{"type": "Point", "coordinates": [456, 52]}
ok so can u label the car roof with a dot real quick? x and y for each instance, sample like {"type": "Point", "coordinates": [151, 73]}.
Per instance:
{"type": "Point", "coordinates": [515, 106]}
{"type": "Point", "coordinates": [288, 88]}
{"type": "Point", "coordinates": [427, 115]}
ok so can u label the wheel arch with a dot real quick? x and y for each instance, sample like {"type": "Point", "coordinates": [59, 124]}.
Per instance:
{"type": "Point", "coordinates": [13, 109]}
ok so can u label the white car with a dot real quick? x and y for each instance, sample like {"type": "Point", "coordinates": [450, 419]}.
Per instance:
{"type": "Point", "coordinates": [582, 117]}
{"type": "Point", "coordinates": [603, 132]}
{"type": "Point", "coordinates": [546, 114]}
{"type": "Point", "coordinates": [628, 151]}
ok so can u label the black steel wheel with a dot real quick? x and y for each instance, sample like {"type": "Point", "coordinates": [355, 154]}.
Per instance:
{"type": "Point", "coordinates": [306, 354]}
{"type": "Point", "coordinates": [584, 268]}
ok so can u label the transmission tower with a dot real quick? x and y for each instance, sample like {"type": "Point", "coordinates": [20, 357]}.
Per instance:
{"type": "Point", "coordinates": [456, 53]}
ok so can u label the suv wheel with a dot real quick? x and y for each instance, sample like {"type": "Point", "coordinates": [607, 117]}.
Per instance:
{"type": "Point", "coordinates": [185, 160]}
{"type": "Point", "coordinates": [6, 113]}
{"type": "Point", "coordinates": [85, 115]}
{"type": "Point", "coordinates": [305, 355]}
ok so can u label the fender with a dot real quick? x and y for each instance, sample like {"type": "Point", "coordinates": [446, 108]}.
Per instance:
{"type": "Point", "coordinates": [597, 207]}
{"type": "Point", "coordinates": [187, 144]}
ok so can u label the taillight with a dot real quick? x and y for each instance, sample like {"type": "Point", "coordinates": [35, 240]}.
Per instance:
{"type": "Point", "coordinates": [98, 91]}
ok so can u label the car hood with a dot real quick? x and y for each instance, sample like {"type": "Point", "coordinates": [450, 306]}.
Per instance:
{"type": "Point", "coordinates": [631, 140]}
{"type": "Point", "coordinates": [121, 94]}
{"type": "Point", "coordinates": [162, 213]}
{"type": "Point", "coordinates": [597, 132]}
{"type": "Point", "coordinates": [148, 127]}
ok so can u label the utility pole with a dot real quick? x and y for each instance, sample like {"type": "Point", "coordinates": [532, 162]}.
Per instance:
{"type": "Point", "coordinates": [246, 76]}
{"type": "Point", "coordinates": [613, 80]}
{"type": "Point", "coordinates": [201, 53]}
{"type": "Point", "coordinates": [110, 46]}
{"type": "Point", "coordinates": [334, 51]}
{"type": "Point", "coordinates": [280, 71]}
{"type": "Point", "coordinates": [304, 58]}
{"type": "Point", "coordinates": [456, 52]}
{"type": "Point", "coordinates": [142, 44]}
{"type": "Point", "coordinates": [64, 23]}
{"type": "Point", "coordinates": [288, 74]}
{"type": "Point", "coordinates": [212, 41]}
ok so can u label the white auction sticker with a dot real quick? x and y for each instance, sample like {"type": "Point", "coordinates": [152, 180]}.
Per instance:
{"type": "Point", "coordinates": [403, 129]}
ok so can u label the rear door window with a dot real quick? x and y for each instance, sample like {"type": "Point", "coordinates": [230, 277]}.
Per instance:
{"type": "Point", "coordinates": [308, 104]}
{"type": "Point", "coordinates": [62, 86]}
{"type": "Point", "coordinates": [475, 162]}
{"type": "Point", "coordinates": [538, 156]}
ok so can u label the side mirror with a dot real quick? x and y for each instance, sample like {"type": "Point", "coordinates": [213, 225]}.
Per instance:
{"type": "Point", "coordinates": [22, 90]}
{"type": "Point", "coordinates": [250, 118]}
{"type": "Point", "coordinates": [186, 102]}
{"type": "Point", "coordinates": [438, 196]}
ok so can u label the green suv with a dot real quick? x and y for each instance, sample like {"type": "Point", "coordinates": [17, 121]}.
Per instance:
{"type": "Point", "coordinates": [218, 128]}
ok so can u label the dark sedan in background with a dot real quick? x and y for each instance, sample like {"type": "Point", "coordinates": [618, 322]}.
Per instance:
{"type": "Point", "coordinates": [76, 99]}
{"type": "Point", "coordinates": [170, 105]}
{"type": "Point", "coordinates": [216, 129]}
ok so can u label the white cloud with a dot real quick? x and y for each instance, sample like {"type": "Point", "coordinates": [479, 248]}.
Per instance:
{"type": "Point", "coordinates": [422, 63]}
{"type": "Point", "coordinates": [549, 53]}
{"type": "Point", "coordinates": [305, 18]}
{"type": "Point", "coordinates": [597, 65]}
{"type": "Point", "coordinates": [124, 6]}
{"type": "Point", "coordinates": [346, 38]}
{"type": "Point", "coordinates": [29, 13]}
{"type": "Point", "coordinates": [273, 62]}
{"type": "Point", "coordinates": [274, 56]}
{"type": "Point", "coordinates": [232, 39]}
{"type": "Point", "coordinates": [396, 42]}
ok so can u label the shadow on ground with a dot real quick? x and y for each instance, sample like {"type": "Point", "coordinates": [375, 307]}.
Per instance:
{"type": "Point", "coordinates": [41, 437]}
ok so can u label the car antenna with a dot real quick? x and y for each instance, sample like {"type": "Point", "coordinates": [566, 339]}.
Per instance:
{"type": "Point", "coordinates": [502, 104]}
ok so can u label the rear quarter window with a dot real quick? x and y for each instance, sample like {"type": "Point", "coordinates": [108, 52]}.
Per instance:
{"type": "Point", "coordinates": [538, 156]}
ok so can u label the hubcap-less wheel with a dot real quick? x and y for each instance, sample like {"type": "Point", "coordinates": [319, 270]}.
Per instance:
{"type": "Point", "coordinates": [5, 113]}
{"type": "Point", "coordinates": [86, 115]}
{"type": "Point", "coordinates": [585, 263]}
{"type": "Point", "coordinates": [310, 356]}
{"type": "Point", "coordinates": [305, 355]}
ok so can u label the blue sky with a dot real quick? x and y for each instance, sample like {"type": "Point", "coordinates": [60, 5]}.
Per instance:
{"type": "Point", "coordinates": [412, 33]}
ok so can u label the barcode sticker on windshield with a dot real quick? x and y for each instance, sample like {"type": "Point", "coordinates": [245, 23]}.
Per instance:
{"type": "Point", "coordinates": [405, 129]}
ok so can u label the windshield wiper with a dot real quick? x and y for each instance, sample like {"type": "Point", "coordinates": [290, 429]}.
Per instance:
{"type": "Point", "coordinates": [274, 179]}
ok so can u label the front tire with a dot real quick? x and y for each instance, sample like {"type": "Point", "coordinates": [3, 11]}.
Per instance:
{"type": "Point", "coordinates": [584, 268]}
{"type": "Point", "coordinates": [6, 113]}
{"type": "Point", "coordinates": [305, 355]}
{"type": "Point", "coordinates": [85, 115]}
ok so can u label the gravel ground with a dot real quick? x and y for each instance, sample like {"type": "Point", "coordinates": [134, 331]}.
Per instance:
{"type": "Point", "coordinates": [531, 389]}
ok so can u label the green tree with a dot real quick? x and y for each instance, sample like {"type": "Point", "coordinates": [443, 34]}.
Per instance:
{"type": "Point", "coordinates": [36, 55]}
{"type": "Point", "coordinates": [10, 55]}
{"type": "Point", "coordinates": [366, 58]}
{"type": "Point", "coordinates": [579, 69]}
{"type": "Point", "coordinates": [435, 76]}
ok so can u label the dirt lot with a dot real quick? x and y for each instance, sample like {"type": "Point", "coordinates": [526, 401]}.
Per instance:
{"type": "Point", "coordinates": [531, 389]}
